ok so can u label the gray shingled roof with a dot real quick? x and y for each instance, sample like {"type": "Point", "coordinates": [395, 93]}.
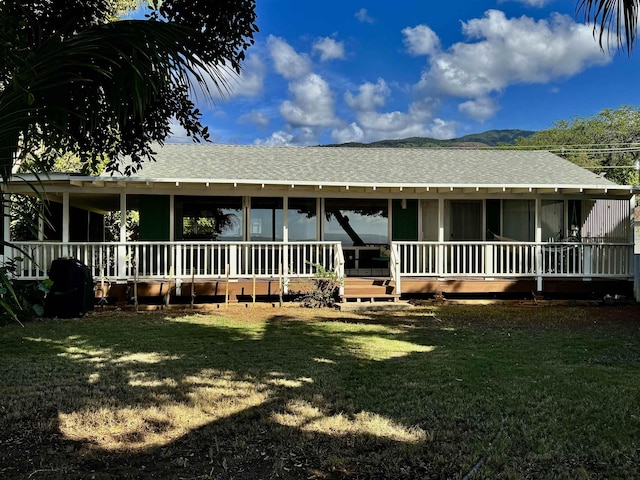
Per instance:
{"type": "Point", "coordinates": [364, 166]}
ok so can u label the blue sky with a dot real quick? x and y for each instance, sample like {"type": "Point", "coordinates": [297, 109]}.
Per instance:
{"type": "Point", "coordinates": [340, 71]}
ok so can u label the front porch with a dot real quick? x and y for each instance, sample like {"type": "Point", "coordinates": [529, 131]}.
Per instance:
{"type": "Point", "coordinates": [250, 271]}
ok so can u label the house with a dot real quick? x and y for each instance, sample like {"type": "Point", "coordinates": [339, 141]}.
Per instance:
{"type": "Point", "coordinates": [218, 220]}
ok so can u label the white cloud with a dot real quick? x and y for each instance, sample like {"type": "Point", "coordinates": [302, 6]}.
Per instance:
{"type": "Point", "coordinates": [254, 118]}
{"type": "Point", "coordinates": [312, 103]}
{"type": "Point", "coordinates": [329, 49]}
{"type": "Point", "coordinates": [371, 96]}
{"type": "Point", "coordinates": [287, 61]}
{"type": "Point", "coordinates": [350, 133]}
{"type": "Point", "coordinates": [248, 84]}
{"type": "Point", "coordinates": [277, 139]}
{"type": "Point", "coordinates": [251, 81]}
{"type": "Point", "coordinates": [442, 129]}
{"type": "Point", "coordinates": [178, 133]}
{"type": "Point", "coordinates": [306, 136]}
{"type": "Point", "coordinates": [363, 16]}
{"type": "Point", "coordinates": [421, 40]}
{"type": "Point", "coordinates": [302, 136]}
{"type": "Point", "coordinates": [512, 51]}
{"type": "Point", "coordinates": [373, 125]}
{"type": "Point", "coordinates": [479, 109]}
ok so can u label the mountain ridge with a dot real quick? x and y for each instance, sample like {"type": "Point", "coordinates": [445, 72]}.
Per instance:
{"type": "Point", "coordinates": [489, 138]}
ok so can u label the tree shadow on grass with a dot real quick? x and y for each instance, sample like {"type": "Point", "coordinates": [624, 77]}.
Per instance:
{"type": "Point", "coordinates": [156, 397]}
{"type": "Point", "coordinates": [173, 398]}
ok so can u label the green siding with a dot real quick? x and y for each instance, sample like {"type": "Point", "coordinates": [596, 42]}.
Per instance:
{"type": "Point", "coordinates": [405, 220]}
{"type": "Point", "coordinates": [154, 217]}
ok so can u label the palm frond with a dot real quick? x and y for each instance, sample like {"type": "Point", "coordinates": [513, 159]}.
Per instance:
{"type": "Point", "coordinates": [612, 18]}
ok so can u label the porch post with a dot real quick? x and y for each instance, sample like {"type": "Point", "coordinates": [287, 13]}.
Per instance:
{"type": "Point", "coordinates": [6, 225]}
{"type": "Point", "coordinates": [41, 215]}
{"type": "Point", "coordinates": [440, 265]}
{"type": "Point", "coordinates": [538, 240]}
{"type": "Point", "coordinates": [635, 254]}
{"type": "Point", "coordinates": [285, 258]}
{"type": "Point", "coordinates": [319, 218]}
{"type": "Point", "coordinates": [65, 223]}
{"type": "Point", "coordinates": [122, 253]}
{"type": "Point", "coordinates": [172, 219]}
{"type": "Point", "coordinates": [175, 250]}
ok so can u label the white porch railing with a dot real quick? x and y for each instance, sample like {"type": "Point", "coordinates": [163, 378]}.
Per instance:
{"type": "Point", "coordinates": [514, 259]}
{"type": "Point", "coordinates": [122, 261]}
{"type": "Point", "coordinates": [180, 259]}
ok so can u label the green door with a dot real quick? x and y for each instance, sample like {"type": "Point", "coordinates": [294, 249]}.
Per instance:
{"type": "Point", "coordinates": [404, 224]}
{"type": "Point", "coordinates": [154, 217]}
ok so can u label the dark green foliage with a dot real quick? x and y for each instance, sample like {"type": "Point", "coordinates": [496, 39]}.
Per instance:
{"type": "Point", "coordinates": [606, 143]}
{"type": "Point", "coordinates": [20, 299]}
{"type": "Point", "coordinates": [74, 80]}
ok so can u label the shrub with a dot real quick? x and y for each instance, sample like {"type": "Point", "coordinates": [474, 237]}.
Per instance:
{"type": "Point", "coordinates": [322, 290]}
{"type": "Point", "coordinates": [20, 300]}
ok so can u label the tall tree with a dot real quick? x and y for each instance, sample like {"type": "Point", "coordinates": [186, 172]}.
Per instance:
{"type": "Point", "coordinates": [607, 143]}
{"type": "Point", "coordinates": [74, 77]}
{"type": "Point", "coordinates": [617, 18]}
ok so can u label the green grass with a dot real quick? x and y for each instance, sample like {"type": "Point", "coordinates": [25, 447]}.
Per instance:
{"type": "Point", "coordinates": [550, 392]}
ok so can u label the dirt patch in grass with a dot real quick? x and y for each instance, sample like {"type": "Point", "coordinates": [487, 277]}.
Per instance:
{"type": "Point", "coordinates": [268, 392]}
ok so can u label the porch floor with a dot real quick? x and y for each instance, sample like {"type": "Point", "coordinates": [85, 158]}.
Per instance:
{"type": "Point", "coordinates": [356, 289]}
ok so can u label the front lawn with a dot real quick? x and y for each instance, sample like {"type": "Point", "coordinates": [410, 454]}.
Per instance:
{"type": "Point", "coordinates": [441, 392]}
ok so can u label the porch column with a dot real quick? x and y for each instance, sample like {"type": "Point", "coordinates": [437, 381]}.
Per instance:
{"type": "Point", "coordinates": [65, 217]}
{"type": "Point", "coordinates": [320, 217]}
{"type": "Point", "coordinates": [6, 226]}
{"type": "Point", "coordinates": [175, 251]}
{"type": "Point", "coordinates": [635, 254]}
{"type": "Point", "coordinates": [285, 258]}
{"type": "Point", "coordinates": [538, 240]}
{"type": "Point", "coordinates": [41, 217]}
{"type": "Point", "coordinates": [122, 252]}
{"type": "Point", "coordinates": [440, 265]}
{"type": "Point", "coordinates": [172, 218]}
{"type": "Point", "coordinates": [65, 224]}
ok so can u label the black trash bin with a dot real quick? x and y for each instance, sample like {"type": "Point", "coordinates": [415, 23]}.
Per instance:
{"type": "Point", "coordinates": [71, 293]}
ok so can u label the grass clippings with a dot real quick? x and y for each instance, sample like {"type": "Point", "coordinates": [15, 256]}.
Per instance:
{"type": "Point", "coordinates": [257, 393]}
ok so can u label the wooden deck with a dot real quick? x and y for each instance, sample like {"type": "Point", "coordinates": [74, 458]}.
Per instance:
{"type": "Point", "coordinates": [356, 289]}
{"type": "Point", "coordinates": [514, 288]}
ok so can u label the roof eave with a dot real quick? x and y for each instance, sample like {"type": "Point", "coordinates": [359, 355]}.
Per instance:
{"type": "Point", "coordinates": [133, 183]}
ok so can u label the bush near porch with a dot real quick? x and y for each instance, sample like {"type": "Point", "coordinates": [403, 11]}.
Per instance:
{"type": "Point", "coordinates": [244, 393]}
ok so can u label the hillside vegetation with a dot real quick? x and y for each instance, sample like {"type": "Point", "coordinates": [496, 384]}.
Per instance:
{"type": "Point", "coordinates": [490, 138]}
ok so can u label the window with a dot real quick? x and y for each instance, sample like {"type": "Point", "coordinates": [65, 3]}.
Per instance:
{"type": "Point", "coordinates": [519, 220]}
{"type": "Point", "coordinates": [266, 219]}
{"type": "Point", "coordinates": [301, 219]}
{"type": "Point", "coordinates": [209, 218]}
{"type": "Point", "coordinates": [357, 221]}
{"type": "Point", "coordinates": [552, 219]}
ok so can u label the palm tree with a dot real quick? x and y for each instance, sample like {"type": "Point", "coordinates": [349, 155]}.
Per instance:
{"type": "Point", "coordinates": [612, 17]}
{"type": "Point", "coordinates": [72, 79]}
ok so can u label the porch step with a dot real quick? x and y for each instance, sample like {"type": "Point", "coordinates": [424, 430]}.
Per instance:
{"type": "Point", "coordinates": [369, 297]}
{"type": "Point", "coordinates": [375, 306]}
{"type": "Point", "coordinates": [369, 289]}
